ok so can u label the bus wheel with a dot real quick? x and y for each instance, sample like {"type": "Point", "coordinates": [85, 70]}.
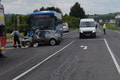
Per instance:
{"type": "Point", "coordinates": [52, 42]}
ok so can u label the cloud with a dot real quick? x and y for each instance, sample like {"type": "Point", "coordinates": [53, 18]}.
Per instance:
{"type": "Point", "coordinates": [90, 6]}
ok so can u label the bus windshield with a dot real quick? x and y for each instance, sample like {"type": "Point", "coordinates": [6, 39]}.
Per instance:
{"type": "Point", "coordinates": [87, 24]}
{"type": "Point", "coordinates": [2, 31]}
{"type": "Point", "coordinates": [41, 23]}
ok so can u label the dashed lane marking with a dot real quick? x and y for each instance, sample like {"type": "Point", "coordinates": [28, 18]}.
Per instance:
{"type": "Point", "coordinates": [84, 47]}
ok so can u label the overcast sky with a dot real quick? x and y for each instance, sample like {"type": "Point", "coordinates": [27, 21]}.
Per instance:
{"type": "Point", "coordinates": [90, 6]}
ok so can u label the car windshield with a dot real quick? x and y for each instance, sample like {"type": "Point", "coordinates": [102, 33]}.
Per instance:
{"type": "Point", "coordinates": [41, 23]}
{"type": "Point", "coordinates": [87, 24]}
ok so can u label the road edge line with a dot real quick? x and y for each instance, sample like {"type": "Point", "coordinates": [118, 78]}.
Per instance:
{"type": "Point", "coordinates": [117, 31]}
{"type": "Point", "coordinates": [46, 59]}
{"type": "Point", "coordinates": [113, 57]}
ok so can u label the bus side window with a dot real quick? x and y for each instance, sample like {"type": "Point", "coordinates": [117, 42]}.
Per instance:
{"type": "Point", "coordinates": [2, 30]}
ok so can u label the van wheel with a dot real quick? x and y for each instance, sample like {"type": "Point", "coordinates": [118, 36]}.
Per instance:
{"type": "Point", "coordinates": [94, 35]}
{"type": "Point", "coordinates": [80, 36]}
{"type": "Point", "coordinates": [52, 42]}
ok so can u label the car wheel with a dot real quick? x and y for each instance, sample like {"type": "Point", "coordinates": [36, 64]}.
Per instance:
{"type": "Point", "coordinates": [52, 42]}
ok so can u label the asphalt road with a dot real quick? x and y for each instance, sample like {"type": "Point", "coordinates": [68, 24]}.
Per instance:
{"type": "Point", "coordinates": [74, 59]}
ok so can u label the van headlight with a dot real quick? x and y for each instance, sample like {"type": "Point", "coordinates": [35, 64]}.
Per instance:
{"type": "Point", "coordinates": [93, 31]}
{"type": "Point", "coordinates": [81, 31]}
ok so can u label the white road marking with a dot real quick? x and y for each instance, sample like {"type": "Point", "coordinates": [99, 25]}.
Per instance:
{"type": "Point", "coordinates": [84, 47]}
{"type": "Point", "coordinates": [65, 34]}
{"type": "Point", "coordinates": [99, 29]}
{"type": "Point", "coordinates": [26, 72]}
{"type": "Point", "coordinates": [91, 39]}
{"type": "Point", "coordinates": [113, 57]}
{"type": "Point", "coordinates": [117, 31]}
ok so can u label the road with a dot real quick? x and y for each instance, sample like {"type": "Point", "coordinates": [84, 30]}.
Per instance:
{"type": "Point", "coordinates": [74, 59]}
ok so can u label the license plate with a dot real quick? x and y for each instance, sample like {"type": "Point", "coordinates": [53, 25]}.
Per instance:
{"type": "Point", "coordinates": [87, 34]}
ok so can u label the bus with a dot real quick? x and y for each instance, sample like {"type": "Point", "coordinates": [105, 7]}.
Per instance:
{"type": "Point", "coordinates": [46, 22]}
{"type": "Point", "coordinates": [2, 27]}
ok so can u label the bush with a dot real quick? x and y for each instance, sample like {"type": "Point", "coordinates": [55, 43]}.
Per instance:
{"type": "Point", "coordinates": [73, 22]}
{"type": "Point", "coordinates": [112, 26]}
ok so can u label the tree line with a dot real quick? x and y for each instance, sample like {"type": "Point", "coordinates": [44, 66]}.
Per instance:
{"type": "Point", "coordinates": [75, 14]}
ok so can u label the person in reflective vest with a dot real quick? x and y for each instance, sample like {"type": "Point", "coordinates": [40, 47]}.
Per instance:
{"type": "Point", "coordinates": [16, 33]}
{"type": "Point", "coordinates": [104, 28]}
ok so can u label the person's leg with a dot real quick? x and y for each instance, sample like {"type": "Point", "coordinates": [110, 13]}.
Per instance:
{"type": "Point", "coordinates": [104, 31]}
{"type": "Point", "coordinates": [15, 42]}
{"type": "Point", "coordinates": [18, 40]}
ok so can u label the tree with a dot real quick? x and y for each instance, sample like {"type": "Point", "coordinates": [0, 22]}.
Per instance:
{"type": "Point", "coordinates": [36, 10]}
{"type": "Point", "coordinates": [77, 11]}
{"type": "Point", "coordinates": [66, 14]}
{"type": "Point", "coordinates": [42, 9]}
{"type": "Point", "coordinates": [51, 9]}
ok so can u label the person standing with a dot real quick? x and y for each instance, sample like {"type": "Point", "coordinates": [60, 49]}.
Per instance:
{"type": "Point", "coordinates": [15, 34]}
{"type": "Point", "coordinates": [104, 28]}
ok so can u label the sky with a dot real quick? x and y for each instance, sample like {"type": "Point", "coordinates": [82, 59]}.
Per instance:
{"type": "Point", "coordinates": [90, 6]}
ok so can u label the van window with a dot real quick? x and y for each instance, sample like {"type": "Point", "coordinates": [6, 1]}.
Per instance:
{"type": "Point", "coordinates": [87, 24]}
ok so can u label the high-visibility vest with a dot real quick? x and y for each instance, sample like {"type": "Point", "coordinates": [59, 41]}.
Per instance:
{"type": "Point", "coordinates": [104, 26]}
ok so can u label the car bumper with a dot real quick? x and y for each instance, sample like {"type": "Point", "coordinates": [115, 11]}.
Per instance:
{"type": "Point", "coordinates": [87, 33]}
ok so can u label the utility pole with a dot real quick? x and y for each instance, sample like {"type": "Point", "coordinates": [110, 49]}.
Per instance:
{"type": "Point", "coordinates": [18, 22]}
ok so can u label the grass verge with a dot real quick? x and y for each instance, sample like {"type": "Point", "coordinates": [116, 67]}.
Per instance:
{"type": "Point", "coordinates": [112, 26]}
{"type": "Point", "coordinates": [9, 36]}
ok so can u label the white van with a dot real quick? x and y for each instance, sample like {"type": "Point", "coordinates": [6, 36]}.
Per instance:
{"type": "Point", "coordinates": [87, 27]}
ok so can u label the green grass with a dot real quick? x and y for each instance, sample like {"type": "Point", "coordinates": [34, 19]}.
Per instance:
{"type": "Point", "coordinates": [9, 36]}
{"type": "Point", "coordinates": [112, 26]}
